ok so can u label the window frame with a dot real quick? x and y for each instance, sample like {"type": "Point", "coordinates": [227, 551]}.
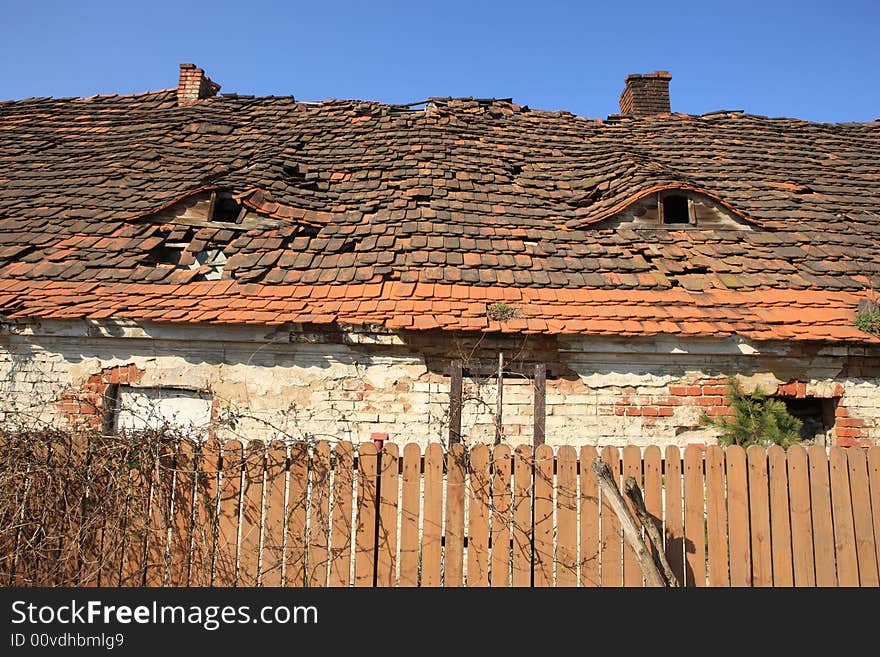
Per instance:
{"type": "Point", "coordinates": [692, 220]}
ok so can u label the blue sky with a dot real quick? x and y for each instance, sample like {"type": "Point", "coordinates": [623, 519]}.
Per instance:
{"type": "Point", "coordinates": [812, 60]}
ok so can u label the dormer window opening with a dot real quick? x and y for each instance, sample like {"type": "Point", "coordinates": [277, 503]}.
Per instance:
{"type": "Point", "coordinates": [675, 209]}
{"type": "Point", "coordinates": [225, 208]}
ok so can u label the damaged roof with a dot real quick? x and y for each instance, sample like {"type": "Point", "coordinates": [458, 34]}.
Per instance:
{"type": "Point", "coordinates": [427, 217]}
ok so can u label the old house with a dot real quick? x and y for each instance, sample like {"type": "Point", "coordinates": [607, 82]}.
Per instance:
{"type": "Point", "coordinates": [285, 268]}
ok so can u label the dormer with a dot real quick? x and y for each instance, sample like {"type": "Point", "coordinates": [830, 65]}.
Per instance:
{"type": "Point", "coordinates": [677, 209]}
{"type": "Point", "coordinates": [214, 234]}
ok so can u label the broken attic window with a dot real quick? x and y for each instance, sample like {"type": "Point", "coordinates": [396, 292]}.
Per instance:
{"type": "Point", "coordinates": [145, 409]}
{"type": "Point", "coordinates": [676, 209]}
{"type": "Point", "coordinates": [225, 208]}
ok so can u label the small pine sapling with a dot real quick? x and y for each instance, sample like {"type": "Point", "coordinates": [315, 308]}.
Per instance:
{"type": "Point", "coordinates": [756, 420]}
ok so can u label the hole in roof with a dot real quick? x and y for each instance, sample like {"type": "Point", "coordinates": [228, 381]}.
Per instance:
{"type": "Point", "coordinates": [676, 209]}
{"type": "Point", "coordinates": [209, 262]}
{"type": "Point", "coordinates": [226, 209]}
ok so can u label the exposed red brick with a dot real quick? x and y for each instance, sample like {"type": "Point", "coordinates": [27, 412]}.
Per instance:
{"type": "Point", "coordinates": [846, 441]}
{"type": "Point", "coordinates": [85, 405]}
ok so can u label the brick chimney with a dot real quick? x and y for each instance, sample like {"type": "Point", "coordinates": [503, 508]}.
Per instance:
{"type": "Point", "coordinates": [194, 85]}
{"type": "Point", "coordinates": [646, 94]}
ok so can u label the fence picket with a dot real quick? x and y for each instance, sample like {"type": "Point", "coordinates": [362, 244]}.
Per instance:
{"type": "Point", "coordinates": [589, 520]}
{"type": "Point", "coordinates": [803, 561]}
{"type": "Point", "coordinates": [738, 516]}
{"type": "Point", "coordinates": [674, 524]}
{"type": "Point", "coordinates": [864, 531]}
{"type": "Point", "coordinates": [759, 517]}
{"type": "Point", "coordinates": [205, 514]}
{"type": "Point", "coordinates": [842, 516]}
{"type": "Point", "coordinates": [61, 566]}
{"type": "Point", "coordinates": [522, 516]}
{"type": "Point", "coordinates": [632, 467]}
{"type": "Point", "coordinates": [386, 546]}
{"type": "Point", "coordinates": [716, 517]}
{"type": "Point", "coordinates": [227, 524]}
{"type": "Point", "coordinates": [342, 531]}
{"type": "Point", "coordinates": [820, 503]}
{"type": "Point", "coordinates": [478, 517]}
{"type": "Point", "coordinates": [432, 532]}
{"type": "Point", "coordinates": [543, 536]}
{"type": "Point", "coordinates": [133, 547]}
{"type": "Point", "coordinates": [319, 523]}
{"type": "Point", "coordinates": [694, 518]}
{"type": "Point", "coordinates": [92, 534]}
{"type": "Point", "coordinates": [611, 560]}
{"type": "Point", "coordinates": [296, 541]}
{"type": "Point", "coordinates": [161, 489]}
{"type": "Point", "coordinates": [251, 514]}
{"type": "Point", "coordinates": [780, 524]}
{"type": "Point", "coordinates": [566, 517]}
{"type": "Point", "coordinates": [181, 522]}
{"type": "Point", "coordinates": [365, 537]}
{"type": "Point", "coordinates": [453, 552]}
{"type": "Point", "coordinates": [409, 516]}
{"type": "Point", "coordinates": [272, 566]}
{"type": "Point", "coordinates": [874, 479]}
{"type": "Point", "coordinates": [500, 520]}
{"type": "Point", "coordinates": [653, 490]}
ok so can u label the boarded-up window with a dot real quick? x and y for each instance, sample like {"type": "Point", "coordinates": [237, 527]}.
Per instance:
{"type": "Point", "coordinates": [138, 409]}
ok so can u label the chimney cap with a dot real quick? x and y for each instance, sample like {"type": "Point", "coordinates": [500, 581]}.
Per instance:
{"type": "Point", "coordinates": [656, 75]}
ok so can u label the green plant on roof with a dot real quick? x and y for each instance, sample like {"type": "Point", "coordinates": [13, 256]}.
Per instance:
{"type": "Point", "coordinates": [500, 312]}
{"type": "Point", "coordinates": [868, 317]}
{"type": "Point", "coordinates": [756, 419]}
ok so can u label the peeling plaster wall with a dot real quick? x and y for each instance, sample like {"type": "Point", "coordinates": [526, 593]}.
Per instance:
{"type": "Point", "coordinates": [601, 392]}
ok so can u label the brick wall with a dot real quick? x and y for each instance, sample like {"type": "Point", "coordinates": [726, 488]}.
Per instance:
{"type": "Point", "coordinates": [348, 392]}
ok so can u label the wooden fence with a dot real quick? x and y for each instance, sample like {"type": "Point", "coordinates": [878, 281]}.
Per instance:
{"type": "Point", "coordinates": [343, 515]}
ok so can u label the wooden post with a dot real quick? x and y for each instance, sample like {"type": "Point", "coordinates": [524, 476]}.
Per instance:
{"type": "Point", "coordinates": [455, 402]}
{"type": "Point", "coordinates": [540, 412]}
{"type": "Point", "coordinates": [499, 398]}
{"type": "Point", "coordinates": [631, 531]}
